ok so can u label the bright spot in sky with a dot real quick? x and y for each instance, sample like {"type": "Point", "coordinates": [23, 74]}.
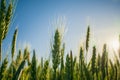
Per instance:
{"type": "Point", "coordinates": [114, 44]}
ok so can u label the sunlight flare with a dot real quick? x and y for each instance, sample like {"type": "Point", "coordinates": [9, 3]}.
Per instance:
{"type": "Point", "coordinates": [114, 44]}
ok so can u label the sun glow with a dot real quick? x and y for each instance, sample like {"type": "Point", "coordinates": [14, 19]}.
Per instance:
{"type": "Point", "coordinates": [114, 44]}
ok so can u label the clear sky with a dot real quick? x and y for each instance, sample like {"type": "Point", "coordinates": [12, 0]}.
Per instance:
{"type": "Point", "coordinates": [34, 20]}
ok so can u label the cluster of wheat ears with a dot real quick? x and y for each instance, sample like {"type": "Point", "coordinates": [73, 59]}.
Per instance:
{"type": "Point", "coordinates": [21, 67]}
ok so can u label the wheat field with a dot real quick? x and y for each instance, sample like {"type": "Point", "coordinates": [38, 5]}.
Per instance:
{"type": "Point", "coordinates": [58, 66]}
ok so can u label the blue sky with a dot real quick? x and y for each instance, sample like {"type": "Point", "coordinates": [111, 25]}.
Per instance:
{"type": "Point", "coordinates": [34, 20]}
